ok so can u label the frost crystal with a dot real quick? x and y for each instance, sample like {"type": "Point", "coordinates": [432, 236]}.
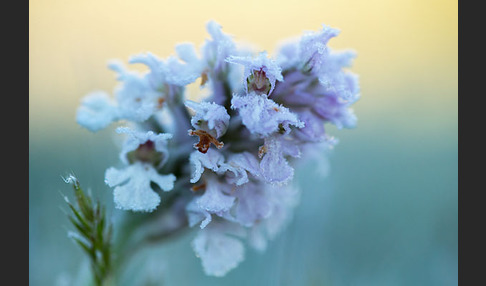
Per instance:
{"type": "Point", "coordinates": [260, 117]}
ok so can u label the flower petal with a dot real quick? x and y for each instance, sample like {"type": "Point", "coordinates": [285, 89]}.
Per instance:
{"type": "Point", "coordinates": [219, 252]}
{"type": "Point", "coordinates": [262, 116]}
{"type": "Point", "coordinates": [97, 111]}
{"type": "Point", "coordinates": [214, 200]}
{"type": "Point", "coordinates": [209, 116]}
{"type": "Point", "coordinates": [211, 160]}
{"type": "Point", "coordinates": [133, 190]}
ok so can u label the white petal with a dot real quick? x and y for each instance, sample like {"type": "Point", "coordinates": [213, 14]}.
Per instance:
{"type": "Point", "coordinates": [214, 116]}
{"type": "Point", "coordinates": [218, 251]}
{"type": "Point", "coordinates": [195, 214]}
{"type": "Point", "coordinates": [133, 191]}
{"type": "Point", "coordinates": [97, 111]}
{"type": "Point", "coordinates": [136, 138]}
{"type": "Point", "coordinates": [211, 160]}
{"type": "Point", "coordinates": [262, 116]}
{"type": "Point", "coordinates": [214, 199]}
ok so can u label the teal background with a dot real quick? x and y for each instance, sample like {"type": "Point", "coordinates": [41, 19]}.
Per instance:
{"type": "Point", "coordinates": [385, 214]}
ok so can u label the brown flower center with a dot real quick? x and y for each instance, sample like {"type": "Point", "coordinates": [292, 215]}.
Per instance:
{"type": "Point", "coordinates": [205, 140]}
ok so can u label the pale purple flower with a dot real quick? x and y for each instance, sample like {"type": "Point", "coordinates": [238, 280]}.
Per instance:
{"type": "Point", "coordinates": [216, 50]}
{"type": "Point", "coordinates": [216, 198]}
{"type": "Point", "coordinates": [212, 160]}
{"type": "Point", "coordinates": [272, 112]}
{"type": "Point", "coordinates": [260, 72]}
{"type": "Point", "coordinates": [209, 116]}
{"type": "Point", "coordinates": [262, 116]}
{"type": "Point", "coordinates": [336, 111]}
{"type": "Point", "coordinates": [219, 75]}
{"type": "Point", "coordinates": [210, 122]}
{"type": "Point", "coordinates": [241, 167]}
{"type": "Point", "coordinates": [313, 48]}
{"type": "Point", "coordinates": [335, 80]}
{"type": "Point", "coordinates": [253, 204]}
{"type": "Point", "coordinates": [313, 130]}
{"type": "Point", "coordinates": [302, 95]}
{"type": "Point", "coordinates": [274, 165]}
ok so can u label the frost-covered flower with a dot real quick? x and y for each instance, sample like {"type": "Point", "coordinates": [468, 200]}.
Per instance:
{"type": "Point", "coordinates": [313, 48]}
{"type": "Point", "coordinates": [274, 164]}
{"type": "Point", "coordinates": [212, 160]}
{"type": "Point", "coordinates": [260, 73]}
{"type": "Point", "coordinates": [97, 111]}
{"type": "Point", "coordinates": [241, 168]}
{"type": "Point", "coordinates": [216, 50]}
{"type": "Point", "coordinates": [174, 72]}
{"type": "Point", "coordinates": [216, 198]}
{"type": "Point", "coordinates": [217, 73]}
{"type": "Point", "coordinates": [258, 118]}
{"type": "Point", "coordinates": [136, 96]}
{"type": "Point", "coordinates": [144, 146]}
{"type": "Point", "coordinates": [142, 153]}
{"type": "Point", "coordinates": [140, 95]}
{"type": "Point", "coordinates": [132, 186]}
{"type": "Point", "coordinates": [262, 116]}
{"type": "Point", "coordinates": [210, 122]}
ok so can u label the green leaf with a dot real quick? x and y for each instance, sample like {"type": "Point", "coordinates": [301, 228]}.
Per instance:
{"type": "Point", "coordinates": [83, 222]}
{"type": "Point", "coordinates": [86, 233]}
{"type": "Point", "coordinates": [84, 246]}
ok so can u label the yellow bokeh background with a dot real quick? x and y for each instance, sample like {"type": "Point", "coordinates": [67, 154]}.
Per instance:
{"type": "Point", "coordinates": [400, 44]}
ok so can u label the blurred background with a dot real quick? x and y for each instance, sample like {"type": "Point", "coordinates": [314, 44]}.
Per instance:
{"type": "Point", "coordinates": [385, 214]}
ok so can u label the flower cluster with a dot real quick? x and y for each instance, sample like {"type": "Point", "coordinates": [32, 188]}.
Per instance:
{"type": "Point", "coordinates": [227, 158]}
